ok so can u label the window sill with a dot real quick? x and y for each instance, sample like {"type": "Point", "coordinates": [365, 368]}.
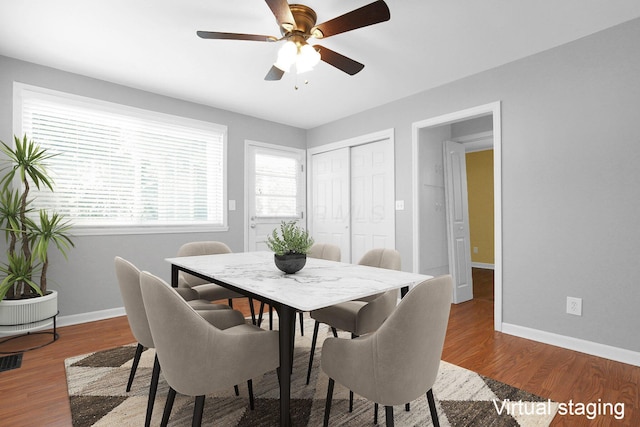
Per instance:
{"type": "Point", "coordinates": [151, 229]}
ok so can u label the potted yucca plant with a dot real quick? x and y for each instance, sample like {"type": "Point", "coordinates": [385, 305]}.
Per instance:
{"type": "Point", "coordinates": [290, 246]}
{"type": "Point", "coordinates": [29, 235]}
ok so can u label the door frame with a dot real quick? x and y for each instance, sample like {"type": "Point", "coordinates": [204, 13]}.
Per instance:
{"type": "Point", "coordinates": [493, 109]}
{"type": "Point", "coordinates": [347, 143]}
{"type": "Point", "coordinates": [247, 170]}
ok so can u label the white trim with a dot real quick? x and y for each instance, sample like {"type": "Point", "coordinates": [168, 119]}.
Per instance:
{"type": "Point", "coordinates": [92, 316]}
{"type": "Point", "coordinates": [494, 109]}
{"type": "Point", "coordinates": [351, 142]}
{"type": "Point", "coordinates": [575, 344]}
{"type": "Point", "coordinates": [151, 229]}
{"type": "Point", "coordinates": [480, 141]}
{"type": "Point", "coordinates": [483, 265]}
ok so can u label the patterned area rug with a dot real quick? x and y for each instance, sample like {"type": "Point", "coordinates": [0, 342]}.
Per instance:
{"type": "Point", "coordinates": [97, 383]}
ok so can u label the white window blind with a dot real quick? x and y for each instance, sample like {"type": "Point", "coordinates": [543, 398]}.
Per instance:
{"type": "Point", "coordinates": [119, 166]}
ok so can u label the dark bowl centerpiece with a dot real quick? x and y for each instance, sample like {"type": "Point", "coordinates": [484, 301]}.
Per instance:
{"type": "Point", "coordinates": [290, 246]}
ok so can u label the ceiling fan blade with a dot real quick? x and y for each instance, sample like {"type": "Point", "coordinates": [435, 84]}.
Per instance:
{"type": "Point", "coordinates": [282, 12]}
{"type": "Point", "coordinates": [339, 61]}
{"type": "Point", "coordinates": [274, 73]}
{"type": "Point", "coordinates": [235, 36]}
{"type": "Point", "coordinates": [370, 14]}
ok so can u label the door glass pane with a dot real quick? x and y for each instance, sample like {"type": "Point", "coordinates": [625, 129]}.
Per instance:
{"type": "Point", "coordinates": [276, 181]}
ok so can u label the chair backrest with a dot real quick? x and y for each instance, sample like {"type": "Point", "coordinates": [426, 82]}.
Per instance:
{"type": "Point", "coordinates": [198, 248]}
{"type": "Point", "coordinates": [383, 258]}
{"type": "Point", "coordinates": [325, 251]}
{"type": "Point", "coordinates": [129, 281]}
{"type": "Point", "coordinates": [409, 343]}
{"type": "Point", "coordinates": [196, 357]}
{"type": "Point", "coordinates": [178, 336]}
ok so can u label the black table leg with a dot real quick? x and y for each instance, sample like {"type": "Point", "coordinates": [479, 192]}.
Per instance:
{"type": "Point", "coordinates": [174, 275]}
{"type": "Point", "coordinates": [286, 316]}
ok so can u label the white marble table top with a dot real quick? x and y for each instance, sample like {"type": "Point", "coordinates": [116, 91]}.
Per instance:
{"type": "Point", "coordinates": [319, 284]}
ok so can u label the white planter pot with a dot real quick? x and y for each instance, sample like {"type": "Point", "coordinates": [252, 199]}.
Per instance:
{"type": "Point", "coordinates": [26, 315]}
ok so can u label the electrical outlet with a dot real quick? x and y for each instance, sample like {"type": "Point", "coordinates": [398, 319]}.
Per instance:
{"type": "Point", "coordinates": [574, 306]}
{"type": "Point", "coordinates": [475, 249]}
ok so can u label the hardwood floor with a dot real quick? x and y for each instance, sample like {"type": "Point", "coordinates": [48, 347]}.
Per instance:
{"type": "Point", "coordinates": [36, 393]}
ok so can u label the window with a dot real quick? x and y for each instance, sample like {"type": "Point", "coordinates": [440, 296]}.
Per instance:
{"type": "Point", "coordinates": [276, 186]}
{"type": "Point", "coordinates": [121, 168]}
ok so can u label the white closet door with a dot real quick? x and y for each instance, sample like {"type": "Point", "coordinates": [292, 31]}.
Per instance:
{"type": "Point", "coordinates": [330, 199]}
{"type": "Point", "coordinates": [372, 198]}
{"type": "Point", "coordinates": [353, 200]}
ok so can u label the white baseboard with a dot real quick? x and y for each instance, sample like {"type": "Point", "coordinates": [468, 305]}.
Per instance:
{"type": "Point", "coordinates": [576, 344]}
{"type": "Point", "coordinates": [483, 265]}
{"type": "Point", "coordinates": [75, 319]}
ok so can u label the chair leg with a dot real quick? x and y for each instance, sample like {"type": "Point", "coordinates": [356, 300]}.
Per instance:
{"type": "Point", "coordinates": [313, 349]}
{"type": "Point", "coordinates": [335, 332]}
{"type": "Point", "coordinates": [198, 409]}
{"type": "Point", "coordinates": [301, 324]}
{"type": "Point", "coordinates": [253, 311]}
{"type": "Point", "coordinates": [350, 392]}
{"type": "Point", "coordinates": [388, 411]}
{"type": "Point", "coordinates": [134, 367]}
{"type": "Point", "coordinates": [260, 312]}
{"type": "Point", "coordinates": [250, 387]}
{"type": "Point", "coordinates": [270, 317]}
{"type": "Point", "coordinates": [375, 413]}
{"type": "Point", "coordinates": [171, 396]}
{"type": "Point", "coordinates": [237, 390]}
{"type": "Point", "coordinates": [327, 407]}
{"type": "Point", "coordinates": [230, 302]}
{"type": "Point", "coordinates": [407, 407]}
{"type": "Point", "coordinates": [432, 408]}
{"type": "Point", "coordinates": [153, 387]}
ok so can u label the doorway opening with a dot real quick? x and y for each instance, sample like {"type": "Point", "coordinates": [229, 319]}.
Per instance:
{"type": "Point", "coordinates": [478, 128]}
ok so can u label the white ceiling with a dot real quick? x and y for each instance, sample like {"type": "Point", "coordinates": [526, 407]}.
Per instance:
{"type": "Point", "coordinates": [152, 45]}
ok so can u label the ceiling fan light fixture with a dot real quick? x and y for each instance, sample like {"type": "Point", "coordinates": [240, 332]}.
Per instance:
{"type": "Point", "coordinates": [308, 58]}
{"type": "Point", "coordinates": [287, 56]}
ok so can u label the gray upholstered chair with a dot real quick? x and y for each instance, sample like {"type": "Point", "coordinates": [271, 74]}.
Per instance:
{"type": "Point", "coordinates": [217, 358]}
{"type": "Point", "coordinates": [325, 251]}
{"type": "Point", "coordinates": [202, 288]}
{"type": "Point", "coordinates": [129, 282]}
{"type": "Point", "coordinates": [364, 315]}
{"type": "Point", "coordinates": [398, 362]}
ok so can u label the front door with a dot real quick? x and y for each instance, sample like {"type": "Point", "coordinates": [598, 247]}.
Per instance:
{"type": "Point", "coordinates": [275, 189]}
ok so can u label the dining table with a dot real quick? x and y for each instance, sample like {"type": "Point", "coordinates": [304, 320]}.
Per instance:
{"type": "Point", "coordinates": [321, 283]}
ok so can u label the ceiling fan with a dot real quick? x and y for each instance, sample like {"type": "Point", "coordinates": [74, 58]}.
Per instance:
{"type": "Point", "coordinates": [298, 24]}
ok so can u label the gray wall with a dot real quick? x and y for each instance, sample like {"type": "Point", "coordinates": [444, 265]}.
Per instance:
{"type": "Point", "coordinates": [570, 179]}
{"type": "Point", "coordinates": [86, 281]}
